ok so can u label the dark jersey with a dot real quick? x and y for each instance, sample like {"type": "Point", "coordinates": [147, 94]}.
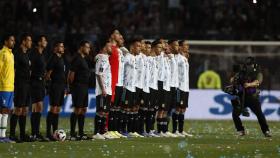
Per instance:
{"type": "Point", "coordinates": [38, 65]}
{"type": "Point", "coordinates": [56, 64]}
{"type": "Point", "coordinates": [80, 66]}
{"type": "Point", "coordinates": [22, 67]}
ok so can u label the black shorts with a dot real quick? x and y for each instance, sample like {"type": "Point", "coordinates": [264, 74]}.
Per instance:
{"type": "Point", "coordinates": [183, 99]}
{"type": "Point", "coordinates": [80, 95]}
{"type": "Point", "coordinates": [138, 96]}
{"type": "Point", "coordinates": [56, 94]}
{"type": "Point", "coordinates": [173, 101]}
{"type": "Point", "coordinates": [165, 101]}
{"type": "Point", "coordinates": [22, 95]}
{"type": "Point", "coordinates": [129, 98]}
{"type": "Point", "coordinates": [154, 98]}
{"type": "Point", "coordinates": [103, 103]}
{"type": "Point", "coordinates": [161, 94]}
{"type": "Point", "coordinates": [118, 96]}
{"type": "Point", "coordinates": [146, 100]}
{"type": "Point", "coordinates": [37, 91]}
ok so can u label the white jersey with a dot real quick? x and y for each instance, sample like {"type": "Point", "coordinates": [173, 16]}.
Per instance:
{"type": "Point", "coordinates": [167, 74]}
{"type": "Point", "coordinates": [174, 81]}
{"type": "Point", "coordinates": [140, 68]}
{"type": "Point", "coordinates": [160, 62]}
{"type": "Point", "coordinates": [147, 72]}
{"type": "Point", "coordinates": [153, 68]}
{"type": "Point", "coordinates": [120, 73]}
{"type": "Point", "coordinates": [103, 69]}
{"type": "Point", "coordinates": [183, 73]}
{"type": "Point", "coordinates": [129, 72]}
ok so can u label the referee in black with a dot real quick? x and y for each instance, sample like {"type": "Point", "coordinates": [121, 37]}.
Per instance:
{"type": "Point", "coordinates": [78, 78]}
{"type": "Point", "coordinates": [56, 76]}
{"type": "Point", "coordinates": [22, 88]}
{"type": "Point", "coordinates": [38, 71]}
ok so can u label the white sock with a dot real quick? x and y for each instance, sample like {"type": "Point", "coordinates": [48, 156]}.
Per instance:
{"type": "Point", "coordinates": [4, 123]}
{"type": "Point", "coordinates": [1, 125]}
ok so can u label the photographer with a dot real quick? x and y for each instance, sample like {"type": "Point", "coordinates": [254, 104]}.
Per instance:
{"type": "Point", "coordinates": [245, 83]}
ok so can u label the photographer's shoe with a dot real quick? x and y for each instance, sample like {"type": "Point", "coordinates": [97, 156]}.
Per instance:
{"type": "Point", "coordinates": [267, 134]}
{"type": "Point", "coordinates": [241, 133]}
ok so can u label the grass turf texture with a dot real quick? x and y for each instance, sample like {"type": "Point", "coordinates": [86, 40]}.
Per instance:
{"type": "Point", "coordinates": [212, 139]}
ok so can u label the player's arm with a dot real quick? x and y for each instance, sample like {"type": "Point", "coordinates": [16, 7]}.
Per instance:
{"type": "Point", "coordinates": [70, 77]}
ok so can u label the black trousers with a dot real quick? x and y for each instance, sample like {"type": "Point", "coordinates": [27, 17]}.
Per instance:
{"type": "Point", "coordinates": [254, 104]}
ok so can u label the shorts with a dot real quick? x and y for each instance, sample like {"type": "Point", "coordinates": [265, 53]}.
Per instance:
{"type": "Point", "coordinates": [6, 99]}
{"type": "Point", "coordinates": [103, 103]}
{"type": "Point", "coordinates": [80, 95]}
{"type": "Point", "coordinates": [138, 96]}
{"type": "Point", "coordinates": [129, 98]}
{"type": "Point", "coordinates": [183, 98]}
{"type": "Point", "coordinates": [165, 101]}
{"type": "Point", "coordinates": [37, 91]}
{"type": "Point", "coordinates": [56, 94]}
{"type": "Point", "coordinates": [173, 97]}
{"type": "Point", "coordinates": [118, 96]}
{"type": "Point", "coordinates": [153, 98]}
{"type": "Point", "coordinates": [22, 95]}
{"type": "Point", "coordinates": [146, 100]}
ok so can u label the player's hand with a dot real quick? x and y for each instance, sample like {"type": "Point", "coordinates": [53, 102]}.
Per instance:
{"type": "Point", "coordinates": [246, 85]}
{"type": "Point", "coordinates": [104, 93]}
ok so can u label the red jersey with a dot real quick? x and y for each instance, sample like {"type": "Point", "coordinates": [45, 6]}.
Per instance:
{"type": "Point", "coordinates": [114, 62]}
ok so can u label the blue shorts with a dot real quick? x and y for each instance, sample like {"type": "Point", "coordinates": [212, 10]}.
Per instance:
{"type": "Point", "coordinates": [6, 99]}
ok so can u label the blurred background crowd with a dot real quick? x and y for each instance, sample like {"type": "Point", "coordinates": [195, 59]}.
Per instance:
{"type": "Point", "coordinates": [72, 20]}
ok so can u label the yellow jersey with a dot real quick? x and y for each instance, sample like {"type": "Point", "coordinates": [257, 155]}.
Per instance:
{"type": "Point", "coordinates": [7, 71]}
{"type": "Point", "coordinates": [209, 80]}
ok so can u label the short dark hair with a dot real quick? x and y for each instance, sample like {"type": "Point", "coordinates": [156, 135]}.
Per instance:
{"type": "Point", "coordinates": [171, 41]}
{"type": "Point", "coordinates": [24, 37]}
{"type": "Point", "coordinates": [133, 40]}
{"type": "Point", "coordinates": [156, 42]}
{"type": "Point", "coordinates": [6, 37]}
{"type": "Point", "coordinates": [83, 42]}
{"type": "Point", "coordinates": [148, 42]}
{"type": "Point", "coordinates": [57, 42]}
{"type": "Point", "coordinates": [39, 37]}
{"type": "Point", "coordinates": [181, 42]}
{"type": "Point", "coordinates": [100, 44]}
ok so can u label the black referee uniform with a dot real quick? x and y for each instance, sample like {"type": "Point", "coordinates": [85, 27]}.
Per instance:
{"type": "Point", "coordinates": [22, 91]}
{"type": "Point", "coordinates": [38, 69]}
{"type": "Point", "coordinates": [56, 90]}
{"type": "Point", "coordinates": [79, 90]}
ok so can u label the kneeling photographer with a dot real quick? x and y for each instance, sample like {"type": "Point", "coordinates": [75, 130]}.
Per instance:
{"type": "Point", "coordinates": [244, 86]}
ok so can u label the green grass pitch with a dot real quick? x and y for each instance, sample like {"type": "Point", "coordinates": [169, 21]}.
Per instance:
{"type": "Point", "coordinates": [212, 139]}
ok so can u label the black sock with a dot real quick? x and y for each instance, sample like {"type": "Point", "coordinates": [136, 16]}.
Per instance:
{"type": "Point", "coordinates": [55, 121]}
{"type": "Point", "coordinates": [103, 124]}
{"type": "Point", "coordinates": [116, 121]}
{"type": "Point", "coordinates": [81, 123]}
{"type": "Point", "coordinates": [123, 122]}
{"type": "Point", "coordinates": [148, 121]}
{"type": "Point", "coordinates": [13, 125]}
{"type": "Point", "coordinates": [135, 122]}
{"type": "Point", "coordinates": [111, 121]}
{"type": "Point", "coordinates": [153, 114]}
{"type": "Point", "coordinates": [36, 123]}
{"type": "Point", "coordinates": [22, 126]}
{"type": "Point", "coordinates": [164, 124]}
{"type": "Point", "coordinates": [32, 122]}
{"type": "Point", "coordinates": [159, 125]}
{"type": "Point", "coordinates": [174, 122]}
{"type": "Point", "coordinates": [49, 121]}
{"type": "Point", "coordinates": [142, 119]}
{"type": "Point", "coordinates": [73, 121]}
{"type": "Point", "coordinates": [181, 122]}
{"type": "Point", "coordinates": [130, 122]}
{"type": "Point", "coordinates": [97, 124]}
